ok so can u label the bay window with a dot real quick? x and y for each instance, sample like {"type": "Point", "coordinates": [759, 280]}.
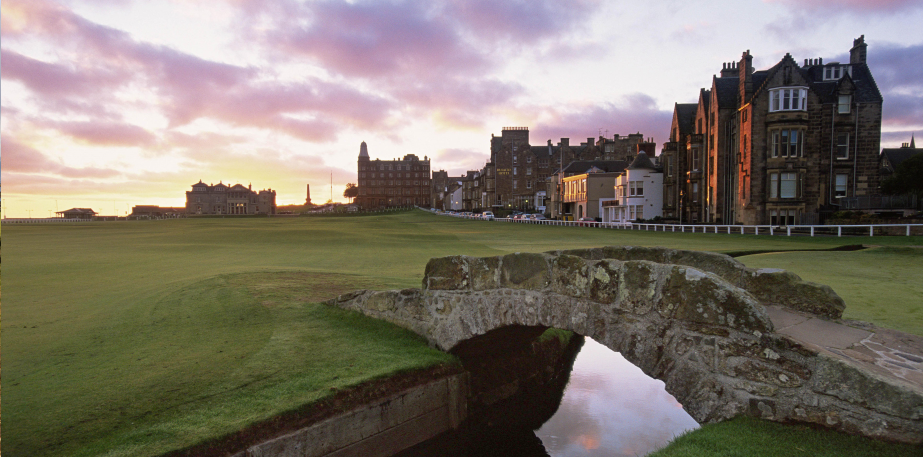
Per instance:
{"type": "Point", "coordinates": [788, 99]}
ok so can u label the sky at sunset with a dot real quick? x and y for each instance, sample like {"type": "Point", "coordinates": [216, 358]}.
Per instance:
{"type": "Point", "coordinates": [109, 104]}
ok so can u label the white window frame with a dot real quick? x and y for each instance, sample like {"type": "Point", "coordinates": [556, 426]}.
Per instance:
{"type": "Point", "coordinates": [796, 98]}
{"type": "Point", "coordinates": [636, 188]}
{"type": "Point", "coordinates": [844, 103]}
{"type": "Point", "coordinates": [835, 72]}
{"type": "Point", "coordinates": [842, 148]}
{"type": "Point", "coordinates": [841, 185]}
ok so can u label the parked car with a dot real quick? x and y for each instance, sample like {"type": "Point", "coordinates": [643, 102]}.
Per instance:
{"type": "Point", "coordinates": [586, 222]}
{"type": "Point", "coordinates": [487, 215]}
{"type": "Point", "coordinates": [538, 217]}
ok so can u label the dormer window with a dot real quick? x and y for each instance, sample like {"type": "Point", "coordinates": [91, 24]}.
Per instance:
{"type": "Point", "coordinates": [788, 99]}
{"type": "Point", "coordinates": [834, 72]}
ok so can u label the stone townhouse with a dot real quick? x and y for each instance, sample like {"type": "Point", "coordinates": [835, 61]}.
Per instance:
{"type": "Point", "coordinates": [389, 183]}
{"type": "Point", "coordinates": [777, 146]}
{"type": "Point", "coordinates": [223, 199]}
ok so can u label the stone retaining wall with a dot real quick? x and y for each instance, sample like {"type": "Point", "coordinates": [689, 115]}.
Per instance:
{"type": "Point", "coordinates": [380, 429]}
{"type": "Point", "coordinates": [709, 339]}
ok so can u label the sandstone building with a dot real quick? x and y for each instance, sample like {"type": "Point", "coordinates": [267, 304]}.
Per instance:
{"type": "Point", "coordinates": [520, 176]}
{"type": "Point", "coordinates": [777, 146]}
{"type": "Point", "coordinates": [389, 183]}
{"type": "Point", "coordinates": [223, 199]}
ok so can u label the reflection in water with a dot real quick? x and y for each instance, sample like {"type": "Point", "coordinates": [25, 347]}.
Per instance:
{"type": "Point", "coordinates": [610, 407]}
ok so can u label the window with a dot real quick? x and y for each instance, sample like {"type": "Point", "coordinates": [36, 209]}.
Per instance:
{"type": "Point", "coordinates": [843, 104]}
{"type": "Point", "coordinates": [783, 185]}
{"type": "Point", "coordinates": [787, 185]}
{"type": "Point", "coordinates": [515, 184]}
{"type": "Point", "coordinates": [695, 159]}
{"type": "Point", "coordinates": [514, 159]}
{"type": "Point", "coordinates": [695, 192]}
{"type": "Point", "coordinates": [834, 72]}
{"type": "Point", "coordinates": [528, 184]}
{"type": "Point", "coordinates": [529, 171]}
{"type": "Point", "coordinates": [670, 166]}
{"type": "Point", "coordinates": [842, 146]}
{"type": "Point", "coordinates": [786, 143]}
{"type": "Point", "coordinates": [841, 180]}
{"type": "Point", "coordinates": [528, 159]}
{"type": "Point", "coordinates": [636, 189]}
{"type": "Point", "coordinates": [610, 147]}
{"type": "Point", "coordinates": [783, 217]}
{"type": "Point", "coordinates": [788, 99]}
{"type": "Point", "coordinates": [515, 170]}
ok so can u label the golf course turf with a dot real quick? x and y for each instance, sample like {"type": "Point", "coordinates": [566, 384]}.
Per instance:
{"type": "Point", "coordinates": [144, 337]}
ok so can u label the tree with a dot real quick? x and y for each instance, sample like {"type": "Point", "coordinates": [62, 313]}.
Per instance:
{"type": "Point", "coordinates": [907, 178]}
{"type": "Point", "coordinates": [351, 192]}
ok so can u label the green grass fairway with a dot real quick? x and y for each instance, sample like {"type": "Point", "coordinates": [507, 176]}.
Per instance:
{"type": "Point", "coordinates": [136, 338]}
{"type": "Point", "coordinates": [749, 437]}
{"type": "Point", "coordinates": [883, 285]}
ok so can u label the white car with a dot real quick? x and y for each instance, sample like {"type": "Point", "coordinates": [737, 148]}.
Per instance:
{"type": "Point", "coordinates": [487, 215]}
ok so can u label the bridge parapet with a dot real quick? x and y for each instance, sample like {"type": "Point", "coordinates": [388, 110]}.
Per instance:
{"type": "Point", "coordinates": [709, 339]}
{"type": "Point", "coordinates": [769, 286]}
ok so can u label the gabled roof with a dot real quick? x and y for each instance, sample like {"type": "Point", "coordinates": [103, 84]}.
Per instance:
{"type": "Point", "coordinates": [865, 88]}
{"type": "Point", "coordinates": [897, 155]}
{"type": "Point", "coordinates": [685, 117]}
{"type": "Point", "coordinates": [726, 91]}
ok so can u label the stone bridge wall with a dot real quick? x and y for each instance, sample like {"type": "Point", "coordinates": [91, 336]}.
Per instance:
{"type": "Point", "coordinates": [692, 320]}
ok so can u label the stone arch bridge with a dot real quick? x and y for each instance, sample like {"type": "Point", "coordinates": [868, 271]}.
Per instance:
{"type": "Point", "coordinates": [694, 320]}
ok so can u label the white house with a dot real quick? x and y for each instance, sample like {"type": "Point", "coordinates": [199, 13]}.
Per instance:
{"type": "Point", "coordinates": [638, 193]}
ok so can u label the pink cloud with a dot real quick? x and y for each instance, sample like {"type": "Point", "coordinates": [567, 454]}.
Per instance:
{"type": "Point", "coordinates": [189, 87]}
{"type": "Point", "coordinates": [57, 79]}
{"type": "Point", "coordinates": [105, 133]}
{"type": "Point", "coordinates": [853, 6]}
{"type": "Point", "coordinates": [19, 158]}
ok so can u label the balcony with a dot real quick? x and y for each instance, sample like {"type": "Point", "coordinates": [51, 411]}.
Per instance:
{"type": "Point", "coordinates": [695, 138]}
{"type": "Point", "coordinates": [571, 197]}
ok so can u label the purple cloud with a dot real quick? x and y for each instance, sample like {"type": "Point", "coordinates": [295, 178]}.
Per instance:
{"type": "Point", "coordinates": [851, 6]}
{"type": "Point", "coordinates": [636, 113]}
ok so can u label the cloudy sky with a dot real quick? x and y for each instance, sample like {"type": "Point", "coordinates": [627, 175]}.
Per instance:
{"type": "Point", "coordinates": [112, 103]}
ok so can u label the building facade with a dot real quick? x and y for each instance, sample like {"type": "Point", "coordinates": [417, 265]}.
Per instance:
{"type": "Point", "coordinates": [638, 193]}
{"type": "Point", "coordinates": [223, 199]}
{"type": "Point", "coordinates": [521, 176]}
{"type": "Point", "coordinates": [777, 146]}
{"type": "Point", "coordinates": [391, 183]}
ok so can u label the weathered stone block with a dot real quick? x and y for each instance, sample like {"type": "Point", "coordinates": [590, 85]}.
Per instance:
{"type": "Point", "coordinates": [569, 276]}
{"type": "Point", "coordinates": [484, 273]}
{"type": "Point", "coordinates": [697, 297]}
{"type": "Point", "coordinates": [446, 273]}
{"type": "Point", "coordinates": [604, 281]}
{"type": "Point", "coordinates": [785, 288]}
{"type": "Point", "coordinates": [837, 378]}
{"type": "Point", "coordinates": [525, 271]}
{"type": "Point", "coordinates": [639, 287]}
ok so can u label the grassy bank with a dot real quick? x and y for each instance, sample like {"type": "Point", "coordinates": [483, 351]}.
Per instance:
{"type": "Point", "coordinates": [749, 437]}
{"type": "Point", "coordinates": [133, 338]}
